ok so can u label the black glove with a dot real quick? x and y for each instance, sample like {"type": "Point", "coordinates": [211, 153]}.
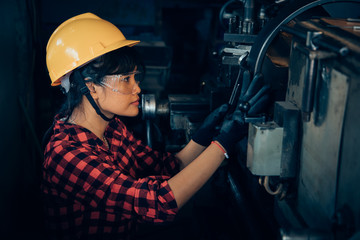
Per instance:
{"type": "Point", "coordinates": [208, 130]}
{"type": "Point", "coordinates": [252, 100]}
{"type": "Point", "coordinates": [254, 95]}
{"type": "Point", "coordinates": [232, 130]}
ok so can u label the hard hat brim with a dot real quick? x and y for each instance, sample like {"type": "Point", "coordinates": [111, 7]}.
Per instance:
{"type": "Point", "coordinates": [117, 45]}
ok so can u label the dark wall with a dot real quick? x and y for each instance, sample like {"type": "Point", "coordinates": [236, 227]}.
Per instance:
{"type": "Point", "coordinates": [19, 147]}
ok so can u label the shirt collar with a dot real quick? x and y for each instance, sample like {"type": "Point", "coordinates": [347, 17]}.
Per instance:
{"type": "Point", "coordinates": [77, 133]}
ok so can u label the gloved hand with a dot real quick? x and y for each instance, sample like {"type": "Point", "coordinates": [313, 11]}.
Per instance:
{"type": "Point", "coordinates": [254, 95]}
{"type": "Point", "coordinates": [252, 100]}
{"type": "Point", "coordinates": [208, 130]}
{"type": "Point", "coordinates": [232, 130]}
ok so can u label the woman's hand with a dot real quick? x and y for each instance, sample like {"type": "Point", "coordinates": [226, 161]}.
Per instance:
{"type": "Point", "coordinates": [208, 129]}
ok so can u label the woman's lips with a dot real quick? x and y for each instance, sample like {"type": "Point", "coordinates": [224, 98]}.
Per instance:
{"type": "Point", "coordinates": [135, 102]}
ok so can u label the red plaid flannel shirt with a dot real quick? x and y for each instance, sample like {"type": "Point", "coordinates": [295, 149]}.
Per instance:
{"type": "Point", "coordinates": [90, 191]}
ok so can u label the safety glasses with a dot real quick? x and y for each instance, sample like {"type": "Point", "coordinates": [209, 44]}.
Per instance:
{"type": "Point", "coordinates": [125, 83]}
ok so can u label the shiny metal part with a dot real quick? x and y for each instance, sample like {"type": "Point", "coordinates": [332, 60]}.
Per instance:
{"type": "Point", "coordinates": [264, 149]}
{"type": "Point", "coordinates": [148, 106]}
{"type": "Point", "coordinates": [162, 108]}
{"type": "Point", "coordinates": [272, 146]}
{"type": "Point", "coordinates": [185, 110]}
{"type": "Point", "coordinates": [238, 50]}
{"type": "Point", "coordinates": [310, 36]}
{"type": "Point", "coordinates": [248, 23]}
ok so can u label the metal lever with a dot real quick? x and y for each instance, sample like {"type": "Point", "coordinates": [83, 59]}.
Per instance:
{"type": "Point", "coordinates": [260, 118]}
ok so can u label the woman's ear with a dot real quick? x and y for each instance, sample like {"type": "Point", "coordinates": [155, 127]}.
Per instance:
{"type": "Point", "coordinates": [92, 89]}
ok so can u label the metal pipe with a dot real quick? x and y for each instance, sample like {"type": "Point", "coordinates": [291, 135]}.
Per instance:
{"type": "Point", "coordinates": [309, 88]}
{"type": "Point", "coordinates": [148, 133]}
{"type": "Point", "coordinates": [269, 190]}
{"type": "Point", "coordinates": [248, 23]}
{"type": "Point", "coordinates": [249, 10]}
{"type": "Point", "coordinates": [310, 79]}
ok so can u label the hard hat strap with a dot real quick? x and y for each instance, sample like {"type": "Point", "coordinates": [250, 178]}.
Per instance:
{"type": "Point", "coordinates": [85, 91]}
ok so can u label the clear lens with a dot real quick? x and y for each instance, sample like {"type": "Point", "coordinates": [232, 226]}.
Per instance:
{"type": "Point", "coordinates": [122, 83]}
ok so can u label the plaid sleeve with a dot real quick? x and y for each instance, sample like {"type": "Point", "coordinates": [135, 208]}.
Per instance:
{"type": "Point", "coordinates": [82, 176]}
{"type": "Point", "coordinates": [154, 200]}
{"type": "Point", "coordinates": [152, 162]}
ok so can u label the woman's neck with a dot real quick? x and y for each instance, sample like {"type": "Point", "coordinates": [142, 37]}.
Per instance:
{"type": "Point", "coordinates": [86, 117]}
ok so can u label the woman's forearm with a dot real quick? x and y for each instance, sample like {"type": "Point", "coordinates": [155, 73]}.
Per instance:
{"type": "Point", "coordinates": [191, 151]}
{"type": "Point", "coordinates": [189, 180]}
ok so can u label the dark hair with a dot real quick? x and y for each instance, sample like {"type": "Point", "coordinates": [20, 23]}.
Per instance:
{"type": "Point", "coordinates": [119, 61]}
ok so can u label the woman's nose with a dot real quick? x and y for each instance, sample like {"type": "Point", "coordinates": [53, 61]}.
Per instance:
{"type": "Point", "coordinates": [137, 88]}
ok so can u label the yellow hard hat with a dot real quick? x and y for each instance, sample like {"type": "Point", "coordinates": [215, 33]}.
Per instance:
{"type": "Point", "coordinates": [79, 40]}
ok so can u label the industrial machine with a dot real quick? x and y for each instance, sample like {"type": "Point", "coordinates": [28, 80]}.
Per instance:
{"type": "Point", "coordinates": [298, 167]}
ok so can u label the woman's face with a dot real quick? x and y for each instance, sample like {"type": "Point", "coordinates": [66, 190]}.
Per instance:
{"type": "Point", "coordinates": [119, 94]}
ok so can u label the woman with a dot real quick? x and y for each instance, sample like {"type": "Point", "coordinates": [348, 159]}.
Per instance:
{"type": "Point", "coordinates": [98, 179]}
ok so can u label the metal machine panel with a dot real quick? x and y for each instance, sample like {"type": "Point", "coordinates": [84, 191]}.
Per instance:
{"type": "Point", "coordinates": [264, 149]}
{"type": "Point", "coordinates": [326, 89]}
{"type": "Point", "coordinates": [348, 195]}
{"type": "Point", "coordinates": [286, 115]}
{"type": "Point", "coordinates": [320, 149]}
{"type": "Point", "coordinates": [272, 146]}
